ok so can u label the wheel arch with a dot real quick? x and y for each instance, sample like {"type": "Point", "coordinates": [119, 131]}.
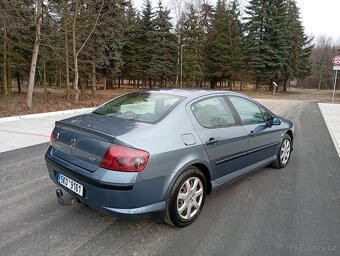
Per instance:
{"type": "Point", "coordinates": [290, 133]}
{"type": "Point", "coordinates": [204, 169]}
{"type": "Point", "coordinates": [203, 166]}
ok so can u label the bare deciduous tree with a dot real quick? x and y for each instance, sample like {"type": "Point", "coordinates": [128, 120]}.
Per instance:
{"type": "Point", "coordinates": [76, 51]}
{"type": "Point", "coordinates": [67, 80]}
{"type": "Point", "coordinates": [37, 22]}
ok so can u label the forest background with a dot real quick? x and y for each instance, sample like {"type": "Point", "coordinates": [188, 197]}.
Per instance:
{"type": "Point", "coordinates": [76, 47]}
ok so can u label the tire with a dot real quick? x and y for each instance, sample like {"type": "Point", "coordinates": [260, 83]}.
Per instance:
{"type": "Point", "coordinates": [284, 153]}
{"type": "Point", "coordinates": [186, 199]}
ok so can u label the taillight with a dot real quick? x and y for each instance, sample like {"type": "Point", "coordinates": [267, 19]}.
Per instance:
{"type": "Point", "coordinates": [121, 158]}
{"type": "Point", "coordinates": [51, 139]}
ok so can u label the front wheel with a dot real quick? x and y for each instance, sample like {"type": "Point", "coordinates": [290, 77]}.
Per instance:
{"type": "Point", "coordinates": [284, 153]}
{"type": "Point", "coordinates": [186, 198]}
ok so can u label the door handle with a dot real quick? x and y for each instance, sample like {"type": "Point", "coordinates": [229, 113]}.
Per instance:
{"type": "Point", "coordinates": [252, 134]}
{"type": "Point", "coordinates": [211, 141]}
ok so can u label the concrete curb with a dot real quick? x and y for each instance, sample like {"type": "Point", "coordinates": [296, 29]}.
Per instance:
{"type": "Point", "coordinates": [327, 116]}
{"type": "Point", "coordinates": [47, 114]}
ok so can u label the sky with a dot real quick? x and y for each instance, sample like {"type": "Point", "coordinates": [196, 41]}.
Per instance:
{"type": "Point", "coordinates": [319, 17]}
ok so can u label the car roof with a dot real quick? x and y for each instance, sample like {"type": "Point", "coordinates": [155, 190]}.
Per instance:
{"type": "Point", "coordinates": [190, 93]}
{"type": "Point", "coordinates": [194, 93]}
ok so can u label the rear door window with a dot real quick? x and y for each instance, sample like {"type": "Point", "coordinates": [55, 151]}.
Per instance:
{"type": "Point", "coordinates": [213, 113]}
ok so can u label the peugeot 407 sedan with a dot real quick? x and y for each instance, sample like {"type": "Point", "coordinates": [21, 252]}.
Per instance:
{"type": "Point", "coordinates": [163, 151]}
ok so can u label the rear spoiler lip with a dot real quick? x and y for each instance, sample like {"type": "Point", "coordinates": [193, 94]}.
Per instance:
{"type": "Point", "coordinates": [102, 135]}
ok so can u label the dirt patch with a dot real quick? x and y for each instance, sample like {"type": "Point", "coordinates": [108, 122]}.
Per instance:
{"type": "Point", "coordinates": [300, 94]}
{"type": "Point", "coordinates": [55, 100]}
{"type": "Point", "coordinates": [15, 104]}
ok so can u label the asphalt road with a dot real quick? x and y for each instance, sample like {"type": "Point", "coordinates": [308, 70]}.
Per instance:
{"type": "Point", "coordinates": [293, 211]}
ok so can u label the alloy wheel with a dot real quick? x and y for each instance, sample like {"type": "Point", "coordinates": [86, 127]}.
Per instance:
{"type": "Point", "coordinates": [285, 151]}
{"type": "Point", "coordinates": [189, 198]}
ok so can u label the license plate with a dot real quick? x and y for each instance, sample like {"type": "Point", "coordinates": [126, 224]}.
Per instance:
{"type": "Point", "coordinates": [70, 184]}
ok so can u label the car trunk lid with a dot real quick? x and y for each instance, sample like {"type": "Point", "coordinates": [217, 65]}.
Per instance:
{"type": "Point", "coordinates": [83, 140]}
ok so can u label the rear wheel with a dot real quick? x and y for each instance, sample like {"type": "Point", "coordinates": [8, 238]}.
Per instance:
{"type": "Point", "coordinates": [186, 198]}
{"type": "Point", "coordinates": [284, 153]}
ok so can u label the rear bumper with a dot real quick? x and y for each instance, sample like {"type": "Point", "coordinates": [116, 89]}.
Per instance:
{"type": "Point", "coordinates": [84, 179]}
{"type": "Point", "coordinates": [122, 199]}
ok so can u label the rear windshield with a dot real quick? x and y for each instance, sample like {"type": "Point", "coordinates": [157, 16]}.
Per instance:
{"type": "Point", "coordinates": [148, 107]}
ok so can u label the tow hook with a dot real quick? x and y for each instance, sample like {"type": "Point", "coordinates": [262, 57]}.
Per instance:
{"type": "Point", "coordinates": [61, 200]}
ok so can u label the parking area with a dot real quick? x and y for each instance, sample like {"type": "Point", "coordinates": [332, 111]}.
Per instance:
{"type": "Point", "coordinates": [293, 211]}
{"type": "Point", "coordinates": [23, 131]}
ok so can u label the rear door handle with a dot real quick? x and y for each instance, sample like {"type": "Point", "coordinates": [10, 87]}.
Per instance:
{"type": "Point", "coordinates": [211, 141]}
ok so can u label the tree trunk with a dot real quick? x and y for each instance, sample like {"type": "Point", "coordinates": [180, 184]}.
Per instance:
{"type": "Point", "coordinates": [258, 82]}
{"type": "Point", "coordinates": [4, 67]}
{"type": "Point", "coordinates": [271, 86]}
{"type": "Point", "coordinates": [9, 80]}
{"type": "Point", "coordinates": [18, 83]}
{"type": "Point", "coordinates": [59, 77]}
{"type": "Point", "coordinates": [75, 56]}
{"type": "Point", "coordinates": [44, 76]}
{"type": "Point", "coordinates": [67, 79]}
{"type": "Point", "coordinates": [93, 75]}
{"type": "Point", "coordinates": [285, 85]}
{"type": "Point", "coordinates": [35, 54]}
{"type": "Point", "coordinates": [75, 52]}
{"type": "Point", "coordinates": [150, 83]}
{"type": "Point", "coordinates": [213, 83]}
{"type": "Point", "coordinates": [161, 82]}
{"type": "Point", "coordinates": [178, 54]}
{"type": "Point", "coordinates": [83, 86]}
{"type": "Point", "coordinates": [319, 88]}
{"type": "Point", "coordinates": [230, 85]}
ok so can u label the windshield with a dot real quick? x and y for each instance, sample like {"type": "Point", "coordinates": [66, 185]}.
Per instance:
{"type": "Point", "coordinates": [148, 107]}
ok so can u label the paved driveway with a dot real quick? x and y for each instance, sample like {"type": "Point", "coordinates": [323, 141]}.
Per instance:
{"type": "Point", "coordinates": [294, 211]}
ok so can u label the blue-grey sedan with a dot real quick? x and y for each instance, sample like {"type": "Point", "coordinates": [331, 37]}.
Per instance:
{"type": "Point", "coordinates": [162, 151]}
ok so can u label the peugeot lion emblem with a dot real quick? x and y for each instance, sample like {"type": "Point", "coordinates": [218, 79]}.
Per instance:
{"type": "Point", "coordinates": [73, 143]}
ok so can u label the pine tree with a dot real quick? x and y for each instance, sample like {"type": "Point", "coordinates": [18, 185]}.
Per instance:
{"type": "Point", "coordinates": [236, 58]}
{"type": "Point", "coordinates": [163, 57]}
{"type": "Point", "coordinates": [218, 46]}
{"type": "Point", "coordinates": [130, 68]}
{"type": "Point", "coordinates": [16, 39]}
{"type": "Point", "coordinates": [146, 41]}
{"type": "Point", "coordinates": [206, 17]}
{"type": "Point", "coordinates": [224, 46]}
{"type": "Point", "coordinates": [113, 29]}
{"type": "Point", "coordinates": [55, 55]}
{"type": "Point", "coordinates": [102, 54]}
{"type": "Point", "coordinates": [46, 62]}
{"type": "Point", "coordinates": [192, 37]}
{"type": "Point", "coordinates": [299, 46]}
{"type": "Point", "coordinates": [265, 39]}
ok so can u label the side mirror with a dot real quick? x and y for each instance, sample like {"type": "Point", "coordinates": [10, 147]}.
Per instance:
{"type": "Point", "coordinates": [276, 121]}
